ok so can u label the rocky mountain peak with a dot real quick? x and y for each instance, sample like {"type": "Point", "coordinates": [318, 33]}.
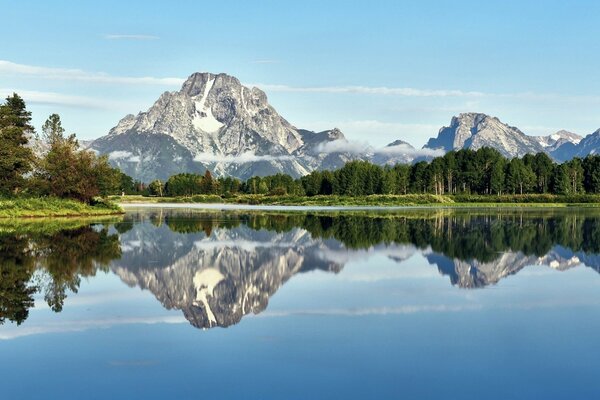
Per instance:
{"type": "Point", "coordinates": [214, 122]}
{"type": "Point", "coordinates": [476, 130]}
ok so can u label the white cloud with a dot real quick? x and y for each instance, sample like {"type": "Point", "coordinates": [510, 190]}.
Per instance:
{"type": "Point", "coordinates": [123, 155]}
{"type": "Point", "coordinates": [360, 147]}
{"type": "Point", "coordinates": [51, 98]}
{"type": "Point", "coordinates": [377, 90]}
{"type": "Point", "coordinates": [130, 37]}
{"type": "Point", "coordinates": [409, 150]}
{"type": "Point", "coordinates": [408, 309]}
{"type": "Point", "coordinates": [238, 159]}
{"type": "Point", "coordinates": [416, 92]}
{"type": "Point", "coordinates": [8, 67]}
{"type": "Point", "coordinates": [344, 146]}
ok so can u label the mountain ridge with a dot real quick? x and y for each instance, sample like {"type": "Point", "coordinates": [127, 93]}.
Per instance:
{"type": "Point", "coordinates": [214, 122]}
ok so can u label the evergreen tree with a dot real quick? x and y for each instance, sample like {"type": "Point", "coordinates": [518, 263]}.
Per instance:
{"type": "Point", "coordinates": [15, 158]}
{"type": "Point", "coordinates": [52, 129]}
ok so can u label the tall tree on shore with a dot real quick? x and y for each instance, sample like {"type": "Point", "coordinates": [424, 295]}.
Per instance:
{"type": "Point", "coordinates": [15, 158]}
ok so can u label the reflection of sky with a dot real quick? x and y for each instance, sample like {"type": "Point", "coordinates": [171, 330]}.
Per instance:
{"type": "Point", "coordinates": [377, 329]}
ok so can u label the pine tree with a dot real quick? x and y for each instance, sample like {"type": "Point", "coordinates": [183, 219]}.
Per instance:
{"type": "Point", "coordinates": [15, 158]}
{"type": "Point", "coordinates": [52, 129]}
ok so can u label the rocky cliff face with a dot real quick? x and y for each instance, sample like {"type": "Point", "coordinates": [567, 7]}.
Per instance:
{"type": "Point", "coordinates": [215, 123]}
{"type": "Point", "coordinates": [474, 131]}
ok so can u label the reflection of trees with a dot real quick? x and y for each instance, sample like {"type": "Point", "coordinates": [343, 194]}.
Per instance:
{"type": "Point", "coordinates": [16, 269]}
{"type": "Point", "coordinates": [480, 236]}
{"type": "Point", "coordinates": [58, 260]}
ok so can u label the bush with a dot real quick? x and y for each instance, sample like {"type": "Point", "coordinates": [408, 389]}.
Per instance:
{"type": "Point", "coordinates": [278, 191]}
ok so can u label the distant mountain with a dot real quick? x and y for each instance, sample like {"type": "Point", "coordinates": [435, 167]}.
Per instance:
{"type": "Point", "coordinates": [586, 146]}
{"type": "Point", "coordinates": [475, 130]}
{"type": "Point", "coordinates": [552, 142]}
{"type": "Point", "coordinates": [216, 123]}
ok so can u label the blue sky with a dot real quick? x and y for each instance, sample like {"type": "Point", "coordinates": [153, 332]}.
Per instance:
{"type": "Point", "coordinates": [379, 70]}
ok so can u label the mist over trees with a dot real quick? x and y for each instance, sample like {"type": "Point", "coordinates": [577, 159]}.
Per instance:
{"type": "Point", "coordinates": [479, 172]}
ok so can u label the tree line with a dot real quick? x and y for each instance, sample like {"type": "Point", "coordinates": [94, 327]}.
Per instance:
{"type": "Point", "coordinates": [65, 170]}
{"type": "Point", "coordinates": [483, 172]}
{"type": "Point", "coordinates": [60, 168]}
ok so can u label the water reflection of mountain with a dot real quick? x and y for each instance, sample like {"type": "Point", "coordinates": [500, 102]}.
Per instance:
{"type": "Point", "coordinates": [217, 268]}
{"type": "Point", "coordinates": [219, 274]}
{"type": "Point", "coordinates": [474, 274]}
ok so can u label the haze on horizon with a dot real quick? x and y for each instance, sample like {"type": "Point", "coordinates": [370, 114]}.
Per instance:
{"type": "Point", "coordinates": [378, 71]}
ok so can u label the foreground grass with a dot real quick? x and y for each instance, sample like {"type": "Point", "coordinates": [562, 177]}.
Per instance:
{"type": "Point", "coordinates": [529, 200]}
{"type": "Point", "coordinates": [53, 207]}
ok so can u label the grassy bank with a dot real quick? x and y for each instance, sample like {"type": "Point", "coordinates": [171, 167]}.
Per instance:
{"type": "Point", "coordinates": [532, 200]}
{"type": "Point", "coordinates": [52, 207]}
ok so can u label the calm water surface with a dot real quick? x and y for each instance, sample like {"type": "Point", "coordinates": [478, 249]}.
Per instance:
{"type": "Point", "coordinates": [185, 304]}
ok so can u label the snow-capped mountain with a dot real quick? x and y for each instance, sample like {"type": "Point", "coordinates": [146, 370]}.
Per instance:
{"type": "Point", "coordinates": [552, 142]}
{"type": "Point", "coordinates": [475, 130]}
{"type": "Point", "coordinates": [215, 123]}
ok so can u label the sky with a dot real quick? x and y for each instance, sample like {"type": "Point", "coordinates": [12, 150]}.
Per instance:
{"type": "Point", "coordinates": [378, 70]}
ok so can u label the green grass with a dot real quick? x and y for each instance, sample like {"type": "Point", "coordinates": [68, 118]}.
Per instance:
{"type": "Point", "coordinates": [53, 207]}
{"type": "Point", "coordinates": [530, 200]}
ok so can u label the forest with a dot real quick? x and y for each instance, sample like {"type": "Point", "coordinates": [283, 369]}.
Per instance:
{"type": "Point", "coordinates": [464, 172]}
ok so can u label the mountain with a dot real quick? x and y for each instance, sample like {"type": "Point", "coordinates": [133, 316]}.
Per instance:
{"type": "Point", "coordinates": [586, 146]}
{"type": "Point", "coordinates": [552, 142]}
{"type": "Point", "coordinates": [475, 130]}
{"type": "Point", "coordinates": [215, 123]}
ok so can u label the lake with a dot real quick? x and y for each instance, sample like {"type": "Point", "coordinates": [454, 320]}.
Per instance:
{"type": "Point", "coordinates": [185, 303]}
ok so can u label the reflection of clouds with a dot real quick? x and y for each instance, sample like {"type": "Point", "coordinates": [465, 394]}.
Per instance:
{"type": "Point", "coordinates": [246, 245]}
{"type": "Point", "coordinates": [440, 308]}
{"type": "Point", "coordinates": [82, 300]}
{"type": "Point", "coordinates": [79, 326]}
{"type": "Point", "coordinates": [344, 255]}
{"type": "Point", "coordinates": [357, 312]}
{"type": "Point", "coordinates": [130, 245]}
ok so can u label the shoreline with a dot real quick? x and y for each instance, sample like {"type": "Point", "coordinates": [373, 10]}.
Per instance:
{"type": "Point", "coordinates": [286, 207]}
{"type": "Point", "coordinates": [383, 201]}
{"type": "Point", "coordinates": [39, 208]}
